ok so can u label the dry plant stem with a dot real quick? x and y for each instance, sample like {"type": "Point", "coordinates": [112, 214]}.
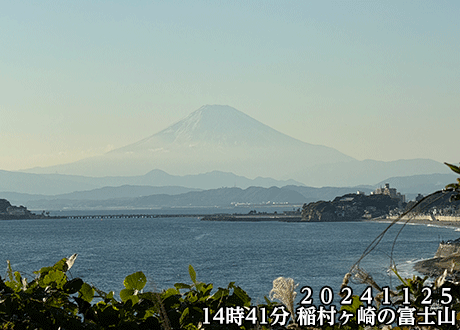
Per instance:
{"type": "Point", "coordinates": [284, 291]}
{"type": "Point", "coordinates": [365, 278]}
{"type": "Point", "coordinates": [346, 280]}
{"type": "Point", "coordinates": [161, 308]}
{"type": "Point", "coordinates": [163, 314]}
{"type": "Point", "coordinates": [377, 240]}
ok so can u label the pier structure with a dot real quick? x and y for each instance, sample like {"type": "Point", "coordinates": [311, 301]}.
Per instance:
{"type": "Point", "coordinates": [131, 216]}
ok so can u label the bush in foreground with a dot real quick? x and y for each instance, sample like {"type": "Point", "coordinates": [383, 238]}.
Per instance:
{"type": "Point", "coordinates": [54, 301]}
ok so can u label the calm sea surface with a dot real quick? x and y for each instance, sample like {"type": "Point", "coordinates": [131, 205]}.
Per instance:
{"type": "Point", "coordinates": [252, 254]}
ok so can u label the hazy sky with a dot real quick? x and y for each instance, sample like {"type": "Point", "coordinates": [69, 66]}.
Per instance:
{"type": "Point", "coordinates": [373, 79]}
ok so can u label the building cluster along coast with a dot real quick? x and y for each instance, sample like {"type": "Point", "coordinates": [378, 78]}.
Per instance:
{"type": "Point", "coordinates": [352, 207]}
{"type": "Point", "coordinates": [392, 192]}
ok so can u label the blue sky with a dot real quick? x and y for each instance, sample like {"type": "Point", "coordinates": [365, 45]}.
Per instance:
{"type": "Point", "coordinates": [373, 79]}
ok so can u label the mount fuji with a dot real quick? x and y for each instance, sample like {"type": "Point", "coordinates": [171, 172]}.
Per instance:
{"type": "Point", "coordinates": [219, 137]}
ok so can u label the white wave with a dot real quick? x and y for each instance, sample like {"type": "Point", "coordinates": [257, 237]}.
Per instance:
{"type": "Point", "coordinates": [201, 236]}
{"type": "Point", "coordinates": [407, 270]}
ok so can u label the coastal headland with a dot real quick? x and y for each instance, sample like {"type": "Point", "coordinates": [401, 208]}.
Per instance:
{"type": "Point", "coordinates": [11, 212]}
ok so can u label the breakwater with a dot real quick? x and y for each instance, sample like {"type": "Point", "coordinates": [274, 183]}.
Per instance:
{"type": "Point", "coordinates": [261, 217]}
{"type": "Point", "coordinates": [204, 217]}
{"type": "Point", "coordinates": [132, 216]}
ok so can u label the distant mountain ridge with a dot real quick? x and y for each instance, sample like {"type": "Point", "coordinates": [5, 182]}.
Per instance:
{"type": "Point", "coordinates": [214, 137]}
{"type": "Point", "coordinates": [367, 172]}
{"type": "Point", "coordinates": [219, 137]}
{"type": "Point", "coordinates": [424, 184]}
{"type": "Point", "coordinates": [221, 197]}
{"type": "Point", "coordinates": [144, 196]}
{"type": "Point", "coordinates": [55, 184]}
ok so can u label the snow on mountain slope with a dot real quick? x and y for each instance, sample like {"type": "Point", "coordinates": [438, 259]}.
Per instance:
{"type": "Point", "coordinates": [219, 125]}
{"type": "Point", "coordinates": [221, 138]}
{"type": "Point", "coordinates": [217, 137]}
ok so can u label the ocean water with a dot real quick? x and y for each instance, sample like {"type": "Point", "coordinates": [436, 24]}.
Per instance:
{"type": "Point", "coordinates": [252, 254]}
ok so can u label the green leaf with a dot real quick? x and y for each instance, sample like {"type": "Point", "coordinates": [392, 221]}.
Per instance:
{"type": "Point", "coordinates": [18, 277]}
{"type": "Point", "coordinates": [135, 281]}
{"type": "Point", "coordinates": [179, 286]}
{"type": "Point", "coordinates": [73, 286]}
{"type": "Point", "coordinates": [192, 273]}
{"type": "Point", "coordinates": [184, 315]}
{"type": "Point", "coordinates": [15, 279]}
{"type": "Point", "coordinates": [267, 301]}
{"type": "Point", "coordinates": [128, 306]}
{"type": "Point", "coordinates": [55, 278]}
{"type": "Point", "coordinates": [170, 292]}
{"type": "Point", "coordinates": [190, 326]}
{"type": "Point", "coordinates": [221, 292]}
{"type": "Point", "coordinates": [192, 298]}
{"type": "Point", "coordinates": [452, 185]}
{"type": "Point", "coordinates": [242, 295]}
{"type": "Point", "coordinates": [61, 265]}
{"type": "Point", "coordinates": [86, 292]}
{"type": "Point", "coordinates": [200, 287]}
{"type": "Point", "coordinates": [10, 271]}
{"type": "Point", "coordinates": [205, 289]}
{"type": "Point", "coordinates": [43, 271]}
{"type": "Point", "coordinates": [125, 294]}
{"type": "Point", "coordinates": [454, 168]}
{"type": "Point", "coordinates": [108, 317]}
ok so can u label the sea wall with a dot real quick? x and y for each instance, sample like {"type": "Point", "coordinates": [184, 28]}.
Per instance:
{"type": "Point", "coordinates": [447, 218]}
{"type": "Point", "coordinates": [428, 217]}
{"type": "Point", "coordinates": [447, 249]}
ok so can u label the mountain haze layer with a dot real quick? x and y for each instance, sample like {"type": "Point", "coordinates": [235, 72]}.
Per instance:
{"type": "Point", "coordinates": [214, 137]}
{"type": "Point", "coordinates": [223, 138]}
{"type": "Point", "coordinates": [56, 184]}
{"type": "Point", "coordinates": [218, 129]}
{"type": "Point", "coordinates": [219, 137]}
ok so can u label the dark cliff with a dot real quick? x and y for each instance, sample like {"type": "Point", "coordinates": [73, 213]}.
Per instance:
{"type": "Point", "coordinates": [10, 212]}
{"type": "Point", "coordinates": [350, 207]}
{"type": "Point", "coordinates": [4, 205]}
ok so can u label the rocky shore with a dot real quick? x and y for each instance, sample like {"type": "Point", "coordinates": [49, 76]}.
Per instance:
{"type": "Point", "coordinates": [435, 266]}
{"type": "Point", "coordinates": [446, 257]}
{"type": "Point", "coordinates": [11, 212]}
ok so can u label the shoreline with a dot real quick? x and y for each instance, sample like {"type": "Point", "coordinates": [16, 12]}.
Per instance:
{"type": "Point", "coordinates": [434, 266]}
{"type": "Point", "coordinates": [415, 221]}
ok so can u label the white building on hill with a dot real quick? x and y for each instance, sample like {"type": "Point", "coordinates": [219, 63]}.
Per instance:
{"type": "Point", "coordinates": [392, 192]}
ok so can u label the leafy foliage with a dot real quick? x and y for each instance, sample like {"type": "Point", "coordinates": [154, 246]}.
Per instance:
{"type": "Point", "coordinates": [53, 301]}
{"type": "Point", "coordinates": [454, 186]}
